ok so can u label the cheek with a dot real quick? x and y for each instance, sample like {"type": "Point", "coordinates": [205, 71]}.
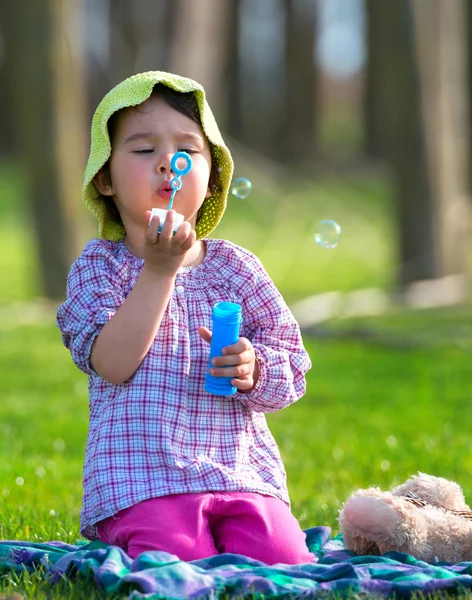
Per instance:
{"type": "Point", "coordinates": [202, 176]}
{"type": "Point", "coordinates": [127, 174]}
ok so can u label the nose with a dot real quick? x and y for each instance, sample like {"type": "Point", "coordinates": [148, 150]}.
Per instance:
{"type": "Point", "coordinates": [163, 165]}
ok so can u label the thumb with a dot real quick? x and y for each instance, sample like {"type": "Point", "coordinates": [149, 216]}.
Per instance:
{"type": "Point", "coordinates": [205, 334]}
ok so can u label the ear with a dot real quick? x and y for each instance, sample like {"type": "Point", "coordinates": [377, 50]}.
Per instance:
{"type": "Point", "coordinates": [102, 182]}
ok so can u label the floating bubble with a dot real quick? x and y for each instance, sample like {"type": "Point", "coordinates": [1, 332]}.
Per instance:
{"type": "Point", "coordinates": [241, 188]}
{"type": "Point", "coordinates": [327, 234]}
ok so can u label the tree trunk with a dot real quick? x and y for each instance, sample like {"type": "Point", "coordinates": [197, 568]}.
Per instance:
{"type": "Point", "coordinates": [262, 83]}
{"type": "Point", "coordinates": [38, 82]}
{"type": "Point", "coordinates": [232, 75]}
{"type": "Point", "coordinates": [441, 42]}
{"type": "Point", "coordinates": [140, 37]}
{"type": "Point", "coordinates": [71, 123]}
{"type": "Point", "coordinates": [374, 102]}
{"type": "Point", "coordinates": [422, 84]}
{"type": "Point", "coordinates": [300, 73]}
{"type": "Point", "coordinates": [7, 148]}
{"type": "Point", "coordinates": [199, 45]}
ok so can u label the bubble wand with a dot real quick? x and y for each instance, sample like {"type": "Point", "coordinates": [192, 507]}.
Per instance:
{"type": "Point", "coordinates": [175, 184]}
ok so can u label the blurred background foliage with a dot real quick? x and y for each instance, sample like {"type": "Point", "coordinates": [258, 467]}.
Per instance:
{"type": "Point", "coordinates": [351, 110]}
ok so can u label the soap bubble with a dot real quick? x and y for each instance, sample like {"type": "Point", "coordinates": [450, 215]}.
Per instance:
{"type": "Point", "coordinates": [241, 187]}
{"type": "Point", "coordinates": [327, 234]}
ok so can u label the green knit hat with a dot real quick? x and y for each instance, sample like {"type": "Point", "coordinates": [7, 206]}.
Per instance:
{"type": "Point", "coordinates": [134, 91]}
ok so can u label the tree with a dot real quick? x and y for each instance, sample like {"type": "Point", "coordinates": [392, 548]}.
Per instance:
{"type": "Point", "coordinates": [232, 73]}
{"type": "Point", "coordinates": [199, 45]}
{"type": "Point", "coordinates": [47, 119]}
{"type": "Point", "coordinates": [300, 75]}
{"type": "Point", "coordinates": [261, 82]}
{"type": "Point", "coordinates": [441, 43]}
{"type": "Point", "coordinates": [374, 102]}
{"type": "Point", "coordinates": [421, 88]}
{"type": "Point", "coordinates": [140, 37]}
{"type": "Point", "coordinates": [6, 72]}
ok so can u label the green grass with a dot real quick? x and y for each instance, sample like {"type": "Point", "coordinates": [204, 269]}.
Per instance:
{"type": "Point", "coordinates": [372, 415]}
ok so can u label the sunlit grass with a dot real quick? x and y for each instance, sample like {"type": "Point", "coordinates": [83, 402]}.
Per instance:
{"type": "Point", "coordinates": [372, 415]}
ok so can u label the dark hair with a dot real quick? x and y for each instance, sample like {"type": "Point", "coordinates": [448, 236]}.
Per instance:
{"type": "Point", "coordinates": [185, 103]}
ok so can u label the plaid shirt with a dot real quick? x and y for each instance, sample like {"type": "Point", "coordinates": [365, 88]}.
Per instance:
{"type": "Point", "coordinates": [160, 433]}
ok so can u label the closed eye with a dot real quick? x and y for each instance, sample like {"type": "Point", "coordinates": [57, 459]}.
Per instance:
{"type": "Point", "coordinates": [144, 151]}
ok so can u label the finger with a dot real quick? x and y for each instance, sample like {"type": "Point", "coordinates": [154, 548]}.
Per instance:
{"type": "Point", "coordinates": [205, 334]}
{"type": "Point", "coordinates": [185, 237]}
{"type": "Point", "coordinates": [238, 347]}
{"type": "Point", "coordinates": [234, 359]}
{"type": "Point", "coordinates": [243, 384]}
{"type": "Point", "coordinates": [190, 241]}
{"type": "Point", "coordinates": [152, 232]}
{"type": "Point", "coordinates": [239, 371]}
{"type": "Point", "coordinates": [182, 233]}
{"type": "Point", "coordinates": [168, 227]}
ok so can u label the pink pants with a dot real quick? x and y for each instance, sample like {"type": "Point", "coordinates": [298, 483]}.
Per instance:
{"type": "Point", "coordinates": [194, 526]}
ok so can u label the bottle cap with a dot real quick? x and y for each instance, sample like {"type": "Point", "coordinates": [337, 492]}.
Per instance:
{"type": "Point", "coordinates": [231, 312]}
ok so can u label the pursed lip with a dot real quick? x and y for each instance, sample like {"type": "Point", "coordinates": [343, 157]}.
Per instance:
{"type": "Point", "coordinates": [165, 191]}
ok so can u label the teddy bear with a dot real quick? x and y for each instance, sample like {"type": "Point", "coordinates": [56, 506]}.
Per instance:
{"type": "Point", "coordinates": [426, 517]}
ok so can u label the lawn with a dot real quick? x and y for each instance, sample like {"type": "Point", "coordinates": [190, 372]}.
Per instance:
{"type": "Point", "coordinates": [386, 396]}
{"type": "Point", "coordinates": [373, 414]}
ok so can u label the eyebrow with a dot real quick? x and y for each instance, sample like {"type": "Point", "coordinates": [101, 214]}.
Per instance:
{"type": "Point", "coordinates": [181, 135]}
{"type": "Point", "coordinates": [138, 136]}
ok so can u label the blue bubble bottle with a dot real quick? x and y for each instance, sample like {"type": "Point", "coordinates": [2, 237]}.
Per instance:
{"type": "Point", "coordinates": [226, 317]}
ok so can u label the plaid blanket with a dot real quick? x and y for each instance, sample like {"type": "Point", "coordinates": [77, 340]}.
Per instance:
{"type": "Point", "coordinates": [162, 575]}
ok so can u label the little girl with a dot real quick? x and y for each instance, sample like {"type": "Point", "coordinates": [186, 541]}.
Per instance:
{"type": "Point", "coordinates": [169, 466]}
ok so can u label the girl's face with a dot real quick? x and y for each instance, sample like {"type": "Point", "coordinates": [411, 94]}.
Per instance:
{"type": "Point", "coordinates": [144, 143]}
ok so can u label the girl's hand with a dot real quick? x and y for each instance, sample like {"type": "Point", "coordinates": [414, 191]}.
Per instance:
{"type": "Point", "coordinates": [239, 361]}
{"type": "Point", "coordinates": [164, 253]}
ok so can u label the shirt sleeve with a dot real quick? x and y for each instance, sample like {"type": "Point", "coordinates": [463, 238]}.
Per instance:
{"type": "Point", "coordinates": [277, 341]}
{"type": "Point", "coordinates": [93, 297]}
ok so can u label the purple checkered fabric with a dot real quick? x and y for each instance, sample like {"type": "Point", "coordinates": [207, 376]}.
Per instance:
{"type": "Point", "coordinates": [160, 433]}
